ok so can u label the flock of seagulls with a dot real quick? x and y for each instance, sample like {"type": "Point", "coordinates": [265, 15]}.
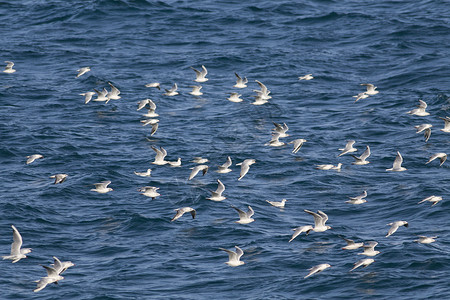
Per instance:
{"type": "Point", "coordinates": [245, 217]}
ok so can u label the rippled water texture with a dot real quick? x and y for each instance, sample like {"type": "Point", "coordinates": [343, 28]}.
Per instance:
{"type": "Point", "coordinates": [124, 245]}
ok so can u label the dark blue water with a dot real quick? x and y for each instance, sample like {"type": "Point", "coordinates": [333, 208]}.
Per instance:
{"type": "Point", "coordinates": [124, 245]}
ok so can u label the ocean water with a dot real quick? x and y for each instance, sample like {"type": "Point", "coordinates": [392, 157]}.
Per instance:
{"type": "Point", "coordinates": [124, 244]}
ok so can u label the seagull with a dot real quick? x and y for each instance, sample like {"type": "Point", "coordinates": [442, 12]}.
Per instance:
{"type": "Point", "coordinates": [181, 211]}
{"type": "Point", "coordinates": [144, 174]}
{"type": "Point", "coordinates": [425, 239]}
{"type": "Point", "coordinates": [176, 163]}
{"type": "Point", "coordinates": [351, 245]}
{"type": "Point", "coordinates": [358, 199]}
{"type": "Point", "coordinates": [362, 95]}
{"type": "Point", "coordinates": [114, 93]}
{"type": "Point", "coordinates": [371, 89]}
{"type": "Point", "coordinates": [433, 199]}
{"type": "Point", "coordinates": [217, 195]}
{"type": "Point", "coordinates": [225, 167]}
{"type": "Point", "coordinates": [395, 226]}
{"type": "Point", "coordinates": [245, 166]}
{"type": "Point", "coordinates": [329, 167]}
{"type": "Point", "coordinates": [61, 267]}
{"type": "Point", "coordinates": [240, 82]}
{"type": "Point", "coordinates": [362, 159]}
{"type": "Point", "coordinates": [446, 124]}
{"type": "Point", "coordinates": [233, 257]}
{"type": "Point", "coordinates": [442, 156]}
{"type": "Point", "coordinates": [154, 85]}
{"type": "Point", "coordinates": [363, 262]}
{"type": "Point", "coordinates": [82, 71]}
{"type": "Point", "coordinates": [299, 230]}
{"type": "Point", "coordinates": [143, 103]}
{"type": "Point", "coordinates": [102, 187]}
{"type": "Point", "coordinates": [9, 67]}
{"type": "Point", "coordinates": [151, 108]}
{"type": "Point", "coordinates": [306, 77]}
{"type": "Point", "coordinates": [149, 191]}
{"type": "Point", "coordinates": [263, 92]}
{"type": "Point", "coordinates": [160, 155]}
{"type": "Point", "coordinates": [397, 166]}
{"type": "Point", "coordinates": [196, 90]}
{"type": "Point", "coordinates": [298, 143]}
{"type": "Point", "coordinates": [245, 217]}
{"type": "Point", "coordinates": [199, 160]}
{"type": "Point", "coordinates": [59, 178]}
{"type": "Point", "coordinates": [234, 97]}
{"type": "Point", "coordinates": [277, 204]}
{"type": "Point", "coordinates": [369, 249]}
{"type": "Point", "coordinates": [196, 169]}
{"type": "Point", "coordinates": [33, 157]}
{"type": "Point", "coordinates": [101, 96]}
{"type": "Point", "coordinates": [420, 111]}
{"type": "Point", "coordinates": [426, 128]}
{"type": "Point", "coordinates": [319, 221]}
{"type": "Point", "coordinates": [52, 276]}
{"type": "Point", "coordinates": [87, 96]}
{"type": "Point", "coordinates": [153, 122]}
{"type": "Point", "coordinates": [259, 100]}
{"type": "Point", "coordinates": [201, 75]}
{"type": "Point", "coordinates": [275, 141]}
{"type": "Point", "coordinates": [17, 253]}
{"type": "Point", "coordinates": [281, 129]}
{"type": "Point", "coordinates": [317, 269]}
{"type": "Point", "coordinates": [348, 148]}
{"type": "Point", "coordinates": [172, 91]}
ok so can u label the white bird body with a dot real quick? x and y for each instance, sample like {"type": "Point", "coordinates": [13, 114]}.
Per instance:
{"type": "Point", "coordinates": [161, 153]}
{"type": "Point", "coordinates": [172, 91]}
{"type": "Point", "coordinates": [358, 199]}
{"type": "Point", "coordinates": [9, 67]}
{"type": "Point", "coordinates": [362, 95]}
{"type": "Point", "coordinates": [217, 194]}
{"type": "Point", "coordinates": [348, 148]}
{"type": "Point", "coordinates": [245, 166]}
{"type": "Point", "coordinates": [329, 167]}
{"type": "Point", "coordinates": [320, 218]}
{"type": "Point", "coordinates": [275, 140]}
{"type": "Point", "coordinates": [371, 89]}
{"type": "Point", "coordinates": [363, 263]}
{"type": "Point", "coordinates": [245, 217]}
{"type": "Point", "coordinates": [361, 160]}
{"type": "Point", "coordinates": [144, 174]}
{"type": "Point", "coordinates": [395, 226]}
{"type": "Point", "coordinates": [59, 178]}
{"type": "Point", "coordinates": [420, 110]}
{"type": "Point", "coordinates": [199, 160]}
{"type": "Point", "coordinates": [235, 97]}
{"type": "Point", "coordinates": [426, 128]}
{"type": "Point", "coordinates": [369, 249]}
{"type": "Point", "coordinates": [225, 167]}
{"type": "Point", "coordinates": [87, 96]}
{"type": "Point", "coordinates": [61, 267]}
{"type": "Point", "coordinates": [150, 191]}
{"type": "Point", "coordinates": [299, 230]}
{"type": "Point", "coordinates": [446, 124]}
{"type": "Point", "coordinates": [281, 129]}
{"type": "Point", "coordinates": [306, 77]}
{"type": "Point", "coordinates": [82, 71]}
{"type": "Point", "coordinates": [176, 163]}
{"type": "Point", "coordinates": [52, 276]}
{"type": "Point", "coordinates": [32, 158]}
{"type": "Point", "coordinates": [200, 75]}
{"type": "Point", "coordinates": [240, 82]}
{"type": "Point", "coordinates": [196, 90]}
{"type": "Point", "coordinates": [101, 96]}
{"type": "Point", "coordinates": [154, 85]}
{"type": "Point", "coordinates": [433, 199]}
{"type": "Point", "coordinates": [442, 157]}
{"type": "Point", "coordinates": [279, 204]}
{"type": "Point", "coordinates": [233, 257]}
{"type": "Point", "coordinates": [425, 239]}
{"type": "Point", "coordinates": [196, 169]}
{"type": "Point", "coordinates": [102, 187]}
{"type": "Point", "coordinates": [351, 245]}
{"type": "Point", "coordinates": [114, 93]}
{"type": "Point", "coordinates": [397, 166]}
{"type": "Point", "coordinates": [317, 269]}
{"type": "Point", "coordinates": [182, 211]}
{"type": "Point", "coordinates": [298, 143]}
{"type": "Point", "coordinates": [17, 253]}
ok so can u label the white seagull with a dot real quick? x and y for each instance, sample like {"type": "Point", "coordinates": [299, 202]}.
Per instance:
{"type": "Point", "coordinates": [358, 199]}
{"type": "Point", "coordinates": [362, 95]}
{"type": "Point", "coordinates": [240, 82]}
{"type": "Point", "coordinates": [225, 167]}
{"type": "Point", "coordinates": [196, 169]}
{"type": "Point", "coordinates": [200, 75]}
{"type": "Point", "coordinates": [151, 108]}
{"type": "Point", "coordinates": [153, 122]}
{"type": "Point", "coordinates": [275, 140]}
{"type": "Point", "coordinates": [17, 253]}
{"type": "Point", "coordinates": [306, 77]}
{"type": "Point", "coordinates": [102, 187]}
{"type": "Point", "coordinates": [426, 239]}
{"type": "Point", "coordinates": [371, 89]}
{"type": "Point", "coordinates": [281, 129]}
{"type": "Point", "coordinates": [176, 163]}
{"type": "Point", "coordinates": [235, 97]}
{"type": "Point", "coordinates": [154, 85]}
{"type": "Point", "coordinates": [420, 110]}
{"type": "Point", "coordinates": [395, 226]}
{"type": "Point", "coordinates": [160, 155]}
{"type": "Point", "coordinates": [245, 217]}
{"type": "Point", "coordinates": [320, 219]}
{"type": "Point", "coordinates": [259, 100]}
{"type": "Point", "coordinates": [196, 90]}
{"type": "Point", "coordinates": [446, 124]}
{"type": "Point", "coordinates": [87, 96]}
{"type": "Point", "coordinates": [317, 269]}
{"type": "Point", "coordinates": [59, 178]}
{"type": "Point", "coordinates": [442, 157]}
{"type": "Point", "coordinates": [144, 174]}
{"type": "Point", "coordinates": [299, 230]}
{"type": "Point", "coordinates": [361, 160]}
{"type": "Point", "coordinates": [363, 262]}
{"type": "Point", "coordinates": [245, 166]}
{"type": "Point", "coordinates": [32, 158]}
{"type": "Point", "coordinates": [433, 199]}
{"type": "Point", "coordinates": [427, 130]}
{"type": "Point", "coordinates": [82, 71]}
{"type": "Point", "coordinates": [182, 211]}
{"type": "Point", "coordinates": [348, 148]}
{"type": "Point", "coordinates": [101, 96]}
{"type": "Point", "coordinates": [369, 249]}
{"type": "Point", "coordinates": [149, 191]}
{"type": "Point", "coordinates": [9, 67]}
{"type": "Point", "coordinates": [52, 276]}
{"type": "Point", "coordinates": [61, 267]}
{"type": "Point", "coordinates": [217, 194]}
{"type": "Point", "coordinates": [277, 203]}
{"type": "Point", "coordinates": [114, 93]}
{"type": "Point", "coordinates": [263, 92]}
{"type": "Point", "coordinates": [397, 166]}
{"type": "Point", "coordinates": [172, 91]}
{"type": "Point", "coordinates": [233, 257]}
{"type": "Point", "coordinates": [329, 167]}
{"type": "Point", "coordinates": [298, 143]}
{"type": "Point", "coordinates": [351, 245]}
{"type": "Point", "coordinates": [199, 160]}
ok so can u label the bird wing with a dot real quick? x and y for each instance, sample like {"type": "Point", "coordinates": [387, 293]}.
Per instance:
{"type": "Point", "coordinates": [317, 218]}
{"type": "Point", "coordinates": [17, 241]}
{"type": "Point", "coordinates": [398, 161]}
{"type": "Point", "coordinates": [366, 153]}
{"type": "Point", "coordinates": [220, 188]}
{"type": "Point", "coordinates": [250, 212]}
{"type": "Point", "coordinates": [239, 252]}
